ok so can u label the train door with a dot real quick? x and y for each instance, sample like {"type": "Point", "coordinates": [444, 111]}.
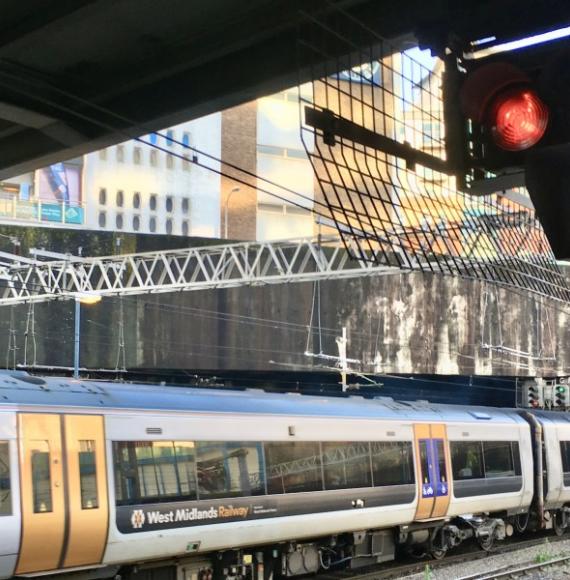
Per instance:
{"type": "Point", "coordinates": [64, 491]}
{"type": "Point", "coordinates": [432, 467]}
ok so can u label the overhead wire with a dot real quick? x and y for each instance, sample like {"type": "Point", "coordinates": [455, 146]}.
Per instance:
{"type": "Point", "coordinates": [131, 136]}
{"type": "Point", "coordinates": [168, 139]}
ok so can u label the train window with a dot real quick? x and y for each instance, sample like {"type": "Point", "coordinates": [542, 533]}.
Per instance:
{"type": "Point", "coordinates": [393, 463]}
{"type": "Point", "coordinates": [516, 457]}
{"type": "Point", "coordinates": [88, 475]}
{"type": "Point", "coordinates": [41, 477]}
{"type": "Point", "coordinates": [153, 471]}
{"type": "Point", "coordinates": [5, 488]}
{"type": "Point", "coordinates": [565, 452]}
{"type": "Point", "coordinates": [466, 460]}
{"type": "Point", "coordinates": [126, 476]}
{"type": "Point", "coordinates": [186, 467]}
{"type": "Point", "coordinates": [229, 469]}
{"type": "Point", "coordinates": [498, 458]}
{"type": "Point", "coordinates": [441, 460]}
{"type": "Point", "coordinates": [346, 465]}
{"type": "Point", "coordinates": [293, 467]}
{"type": "Point", "coordinates": [424, 462]}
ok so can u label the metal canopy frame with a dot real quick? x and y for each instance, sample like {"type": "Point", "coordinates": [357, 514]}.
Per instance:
{"type": "Point", "coordinates": [376, 136]}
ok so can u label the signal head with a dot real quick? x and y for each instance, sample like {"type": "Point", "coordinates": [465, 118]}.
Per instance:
{"type": "Point", "coordinates": [517, 119]}
{"type": "Point", "coordinates": [499, 96]}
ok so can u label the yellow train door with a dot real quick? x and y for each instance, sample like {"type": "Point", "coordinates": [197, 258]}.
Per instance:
{"type": "Point", "coordinates": [432, 467]}
{"type": "Point", "coordinates": [87, 501]}
{"type": "Point", "coordinates": [64, 491]}
{"type": "Point", "coordinates": [42, 493]}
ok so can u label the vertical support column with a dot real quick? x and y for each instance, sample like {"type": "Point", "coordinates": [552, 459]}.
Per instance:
{"type": "Point", "coordinates": [76, 338]}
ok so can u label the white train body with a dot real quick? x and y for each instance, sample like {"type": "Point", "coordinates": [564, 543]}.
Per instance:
{"type": "Point", "coordinates": [98, 477]}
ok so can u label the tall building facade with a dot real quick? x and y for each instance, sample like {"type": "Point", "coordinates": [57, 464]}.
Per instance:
{"type": "Point", "coordinates": [139, 188]}
{"type": "Point", "coordinates": [163, 187]}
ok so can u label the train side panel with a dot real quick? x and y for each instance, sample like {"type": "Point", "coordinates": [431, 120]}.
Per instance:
{"type": "Point", "coordinates": [475, 492]}
{"type": "Point", "coordinates": [10, 519]}
{"type": "Point", "coordinates": [556, 437]}
{"type": "Point", "coordinates": [303, 515]}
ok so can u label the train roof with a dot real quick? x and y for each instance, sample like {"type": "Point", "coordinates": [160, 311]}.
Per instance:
{"type": "Point", "coordinates": [559, 417]}
{"type": "Point", "coordinates": [21, 389]}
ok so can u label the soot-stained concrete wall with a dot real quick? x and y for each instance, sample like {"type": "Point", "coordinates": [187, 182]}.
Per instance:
{"type": "Point", "coordinates": [398, 323]}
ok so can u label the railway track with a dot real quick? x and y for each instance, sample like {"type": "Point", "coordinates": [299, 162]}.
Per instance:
{"type": "Point", "coordinates": [389, 571]}
{"type": "Point", "coordinates": [516, 571]}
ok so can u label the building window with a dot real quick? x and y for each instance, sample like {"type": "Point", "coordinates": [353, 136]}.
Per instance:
{"type": "Point", "coordinates": [136, 200]}
{"type": "Point", "coordinates": [120, 198]}
{"type": "Point", "coordinates": [185, 228]}
{"type": "Point", "coordinates": [152, 202]}
{"type": "Point", "coordinates": [120, 153]}
{"type": "Point", "coordinates": [185, 205]}
{"type": "Point", "coordinates": [169, 161]}
{"type": "Point", "coordinates": [102, 219]}
{"type": "Point", "coordinates": [152, 224]}
{"type": "Point", "coordinates": [137, 155]}
{"type": "Point", "coordinates": [185, 163]}
{"type": "Point", "coordinates": [136, 223]}
{"type": "Point", "coordinates": [154, 158]}
{"type": "Point", "coordinates": [119, 221]}
{"type": "Point", "coordinates": [170, 137]}
{"type": "Point", "coordinates": [103, 154]}
{"type": "Point", "coordinates": [153, 138]}
{"type": "Point", "coordinates": [102, 196]}
{"type": "Point", "coordinates": [186, 139]}
{"type": "Point", "coordinates": [168, 226]}
{"type": "Point", "coordinates": [169, 204]}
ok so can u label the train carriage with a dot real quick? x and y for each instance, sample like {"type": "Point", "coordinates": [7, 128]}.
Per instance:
{"type": "Point", "coordinates": [554, 439]}
{"type": "Point", "coordinates": [101, 478]}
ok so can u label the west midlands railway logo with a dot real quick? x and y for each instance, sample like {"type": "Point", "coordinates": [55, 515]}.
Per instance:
{"type": "Point", "coordinates": [138, 519]}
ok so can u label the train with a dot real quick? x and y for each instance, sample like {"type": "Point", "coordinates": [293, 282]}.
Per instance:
{"type": "Point", "coordinates": [114, 480]}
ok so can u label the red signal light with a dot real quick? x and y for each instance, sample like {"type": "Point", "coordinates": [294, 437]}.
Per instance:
{"type": "Point", "coordinates": [499, 96]}
{"type": "Point", "coordinates": [517, 118]}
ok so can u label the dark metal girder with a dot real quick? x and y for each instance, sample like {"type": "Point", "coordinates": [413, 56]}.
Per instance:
{"type": "Point", "coordinates": [333, 126]}
{"type": "Point", "coordinates": [233, 56]}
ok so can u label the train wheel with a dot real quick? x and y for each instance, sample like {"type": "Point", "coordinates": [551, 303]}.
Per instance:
{"type": "Point", "coordinates": [559, 522]}
{"type": "Point", "coordinates": [521, 523]}
{"type": "Point", "coordinates": [487, 543]}
{"type": "Point", "coordinates": [437, 546]}
{"type": "Point", "coordinates": [417, 552]}
{"type": "Point", "coordinates": [438, 554]}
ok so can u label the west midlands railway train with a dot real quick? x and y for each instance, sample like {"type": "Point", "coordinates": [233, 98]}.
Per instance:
{"type": "Point", "coordinates": [102, 480]}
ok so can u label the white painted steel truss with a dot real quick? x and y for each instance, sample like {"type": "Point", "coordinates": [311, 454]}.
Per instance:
{"type": "Point", "coordinates": [225, 266]}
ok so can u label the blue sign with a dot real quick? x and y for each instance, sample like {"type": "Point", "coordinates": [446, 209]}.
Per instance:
{"type": "Point", "coordinates": [74, 215]}
{"type": "Point", "coordinates": [427, 490]}
{"type": "Point", "coordinates": [53, 212]}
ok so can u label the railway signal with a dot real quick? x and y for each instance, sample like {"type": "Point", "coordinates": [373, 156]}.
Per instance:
{"type": "Point", "coordinates": [561, 396]}
{"type": "Point", "coordinates": [510, 127]}
{"type": "Point", "coordinates": [534, 395]}
{"type": "Point", "coordinates": [507, 110]}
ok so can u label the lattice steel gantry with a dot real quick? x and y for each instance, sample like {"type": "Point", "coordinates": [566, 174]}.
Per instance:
{"type": "Point", "coordinates": [224, 266]}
